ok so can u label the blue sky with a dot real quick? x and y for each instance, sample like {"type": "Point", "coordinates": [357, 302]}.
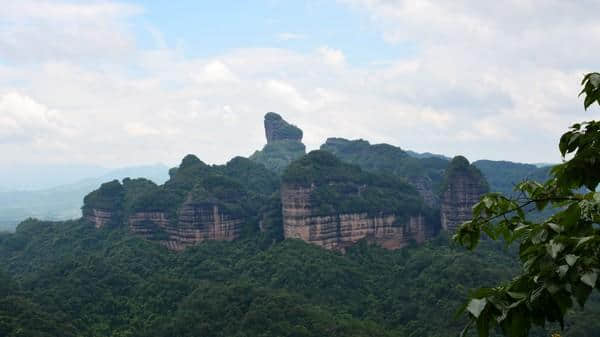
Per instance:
{"type": "Point", "coordinates": [210, 28]}
{"type": "Point", "coordinates": [130, 82]}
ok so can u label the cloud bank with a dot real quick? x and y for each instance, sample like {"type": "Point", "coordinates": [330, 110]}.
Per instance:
{"type": "Point", "coordinates": [488, 80]}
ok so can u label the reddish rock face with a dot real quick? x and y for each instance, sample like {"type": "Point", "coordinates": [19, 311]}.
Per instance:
{"type": "Point", "coordinates": [465, 187]}
{"type": "Point", "coordinates": [98, 217]}
{"type": "Point", "coordinates": [338, 231]}
{"type": "Point", "coordinates": [195, 223]}
{"type": "Point", "coordinates": [423, 185]}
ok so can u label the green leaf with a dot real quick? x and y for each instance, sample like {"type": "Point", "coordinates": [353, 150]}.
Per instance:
{"type": "Point", "coordinates": [571, 259]}
{"type": "Point", "coordinates": [488, 202]}
{"type": "Point", "coordinates": [539, 237]}
{"type": "Point", "coordinates": [583, 240]}
{"type": "Point", "coordinates": [554, 248]}
{"type": "Point", "coordinates": [562, 270]}
{"type": "Point", "coordinates": [594, 79]}
{"type": "Point", "coordinates": [555, 227]}
{"type": "Point", "coordinates": [476, 306]}
{"type": "Point", "coordinates": [590, 278]}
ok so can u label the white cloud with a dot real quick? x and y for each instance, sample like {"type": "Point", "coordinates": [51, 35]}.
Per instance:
{"type": "Point", "coordinates": [485, 80]}
{"type": "Point", "coordinates": [333, 57]}
{"type": "Point", "coordinates": [31, 31]}
{"type": "Point", "coordinates": [139, 129]}
{"type": "Point", "coordinates": [286, 94]}
{"type": "Point", "coordinates": [23, 120]}
{"type": "Point", "coordinates": [215, 71]}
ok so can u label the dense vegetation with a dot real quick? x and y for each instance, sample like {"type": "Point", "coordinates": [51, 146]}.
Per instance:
{"type": "Point", "coordinates": [385, 158]}
{"type": "Point", "coordinates": [71, 279]}
{"type": "Point", "coordinates": [277, 155]}
{"type": "Point", "coordinates": [345, 188]}
{"type": "Point", "coordinates": [460, 166]}
{"type": "Point", "coordinates": [559, 252]}
{"type": "Point", "coordinates": [239, 188]}
{"type": "Point", "coordinates": [503, 176]}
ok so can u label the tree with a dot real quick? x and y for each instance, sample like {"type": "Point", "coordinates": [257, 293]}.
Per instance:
{"type": "Point", "coordinates": [560, 255]}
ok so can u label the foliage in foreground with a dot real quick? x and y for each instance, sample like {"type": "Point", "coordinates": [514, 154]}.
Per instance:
{"type": "Point", "coordinates": [560, 255]}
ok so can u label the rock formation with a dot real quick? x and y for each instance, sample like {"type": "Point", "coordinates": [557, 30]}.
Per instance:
{"type": "Point", "coordinates": [284, 144]}
{"type": "Point", "coordinates": [463, 187]}
{"type": "Point", "coordinates": [301, 220]}
{"type": "Point", "coordinates": [334, 205]}
{"type": "Point", "coordinates": [103, 207]}
{"type": "Point", "coordinates": [99, 217]}
{"type": "Point", "coordinates": [424, 186]}
{"type": "Point", "coordinates": [199, 202]}
{"type": "Point", "coordinates": [195, 223]}
{"type": "Point", "coordinates": [276, 129]}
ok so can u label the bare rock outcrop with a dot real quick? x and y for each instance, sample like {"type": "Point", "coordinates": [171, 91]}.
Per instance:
{"type": "Point", "coordinates": [464, 186]}
{"type": "Point", "coordinates": [99, 217]}
{"type": "Point", "coordinates": [103, 207]}
{"type": "Point", "coordinates": [196, 222]}
{"type": "Point", "coordinates": [276, 129]}
{"type": "Point", "coordinates": [302, 220]}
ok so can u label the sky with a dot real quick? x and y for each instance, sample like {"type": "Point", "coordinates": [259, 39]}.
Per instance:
{"type": "Point", "coordinates": [117, 83]}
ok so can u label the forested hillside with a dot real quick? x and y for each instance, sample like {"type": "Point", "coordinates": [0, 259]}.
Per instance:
{"type": "Point", "coordinates": [73, 278]}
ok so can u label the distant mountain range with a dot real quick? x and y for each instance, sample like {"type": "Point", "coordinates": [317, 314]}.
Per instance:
{"type": "Point", "coordinates": [63, 201]}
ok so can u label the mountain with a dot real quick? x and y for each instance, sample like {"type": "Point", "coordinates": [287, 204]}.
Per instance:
{"type": "Point", "coordinates": [425, 174]}
{"type": "Point", "coordinates": [64, 202]}
{"type": "Point", "coordinates": [35, 177]}
{"type": "Point", "coordinates": [349, 240]}
{"type": "Point", "coordinates": [427, 155]}
{"type": "Point", "coordinates": [199, 202]}
{"type": "Point", "coordinates": [374, 192]}
{"type": "Point", "coordinates": [464, 185]}
{"type": "Point", "coordinates": [284, 144]}
{"type": "Point", "coordinates": [334, 205]}
{"type": "Point", "coordinates": [504, 175]}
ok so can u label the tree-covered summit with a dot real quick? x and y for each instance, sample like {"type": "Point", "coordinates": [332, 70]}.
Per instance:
{"type": "Point", "coordinates": [389, 159]}
{"type": "Point", "coordinates": [339, 187]}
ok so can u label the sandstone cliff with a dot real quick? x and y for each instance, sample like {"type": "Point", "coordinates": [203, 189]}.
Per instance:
{"type": "Point", "coordinates": [195, 223]}
{"type": "Point", "coordinates": [99, 217]}
{"type": "Point", "coordinates": [464, 185]}
{"type": "Point", "coordinates": [333, 204]}
{"type": "Point", "coordinates": [104, 206]}
{"type": "Point", "coordinates": [302, 220]}
{"type": "Point", "coordinates": [198, 203]}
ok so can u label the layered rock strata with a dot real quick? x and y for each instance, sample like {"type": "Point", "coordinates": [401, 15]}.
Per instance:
{"type": "Point", "coordinates": [99, 217]}
{"type": "Point", "coordinates": [423, 185]}
{"type": "Point", "coordinates": [464, 187]}
{"type": "Point", "coordinates": [195, 223]}
{"type": "Point", "coordinates": [338, 231]}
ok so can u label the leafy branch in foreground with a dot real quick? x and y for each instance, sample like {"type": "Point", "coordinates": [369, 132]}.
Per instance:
{"type": "Point", "coordinates": [560, 255]}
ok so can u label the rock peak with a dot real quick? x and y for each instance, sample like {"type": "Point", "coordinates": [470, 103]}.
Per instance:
{"type": "Point", "coordinates": [276, 128]}
{"type": "Point", "coordinates": [463, 187]}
